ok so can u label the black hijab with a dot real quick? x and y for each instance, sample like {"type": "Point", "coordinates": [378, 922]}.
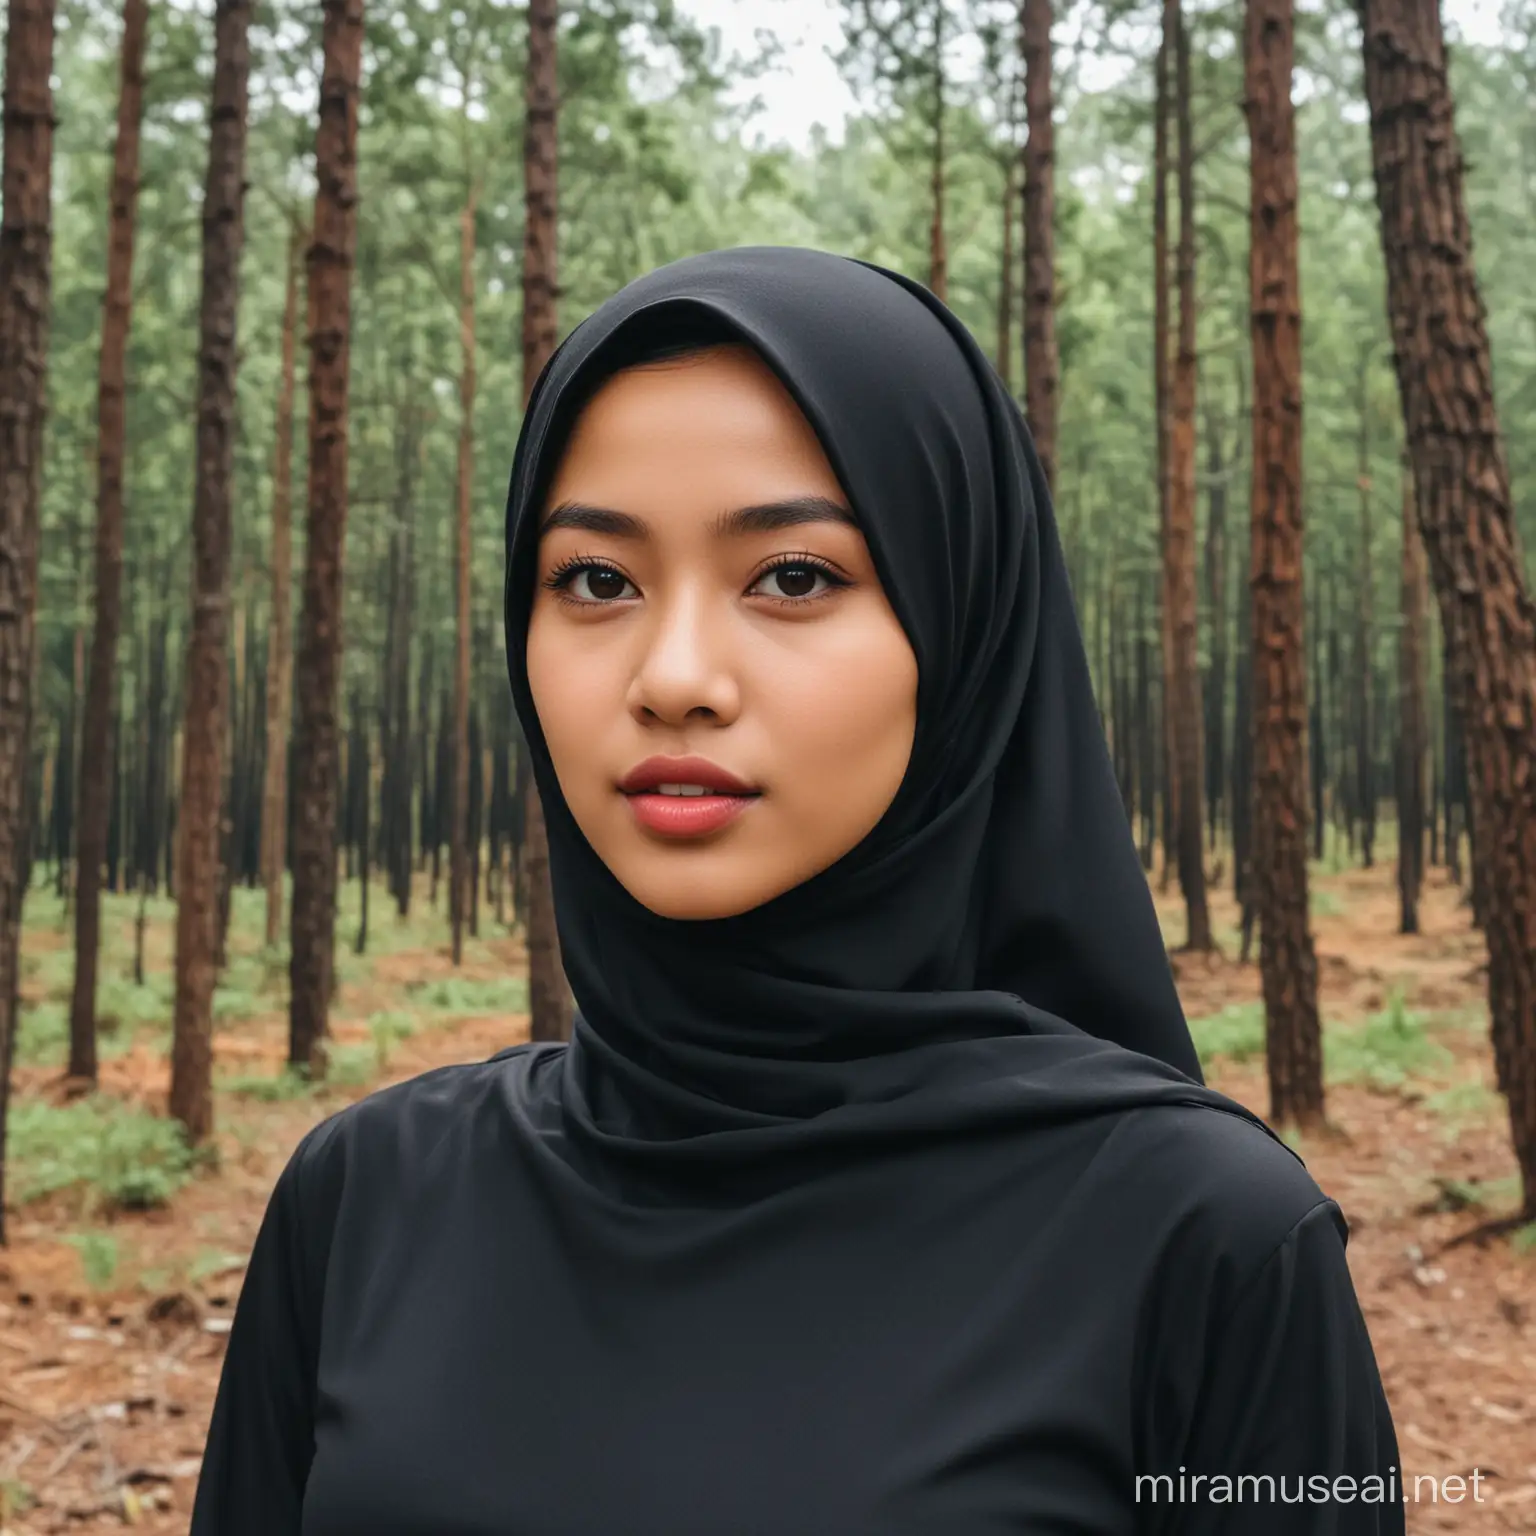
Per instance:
{"type": "Point", "coordinates": [988, 956]}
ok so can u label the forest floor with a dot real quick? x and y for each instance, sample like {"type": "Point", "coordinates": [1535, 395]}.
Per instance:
{"type": "Point", "coordinates": [125, 1262]}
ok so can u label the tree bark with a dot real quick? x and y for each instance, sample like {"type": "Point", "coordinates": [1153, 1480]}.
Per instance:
{"type": "Point", "coordinates": [1041, 363]}
{"type": "Point", "coordinates": [1413, 715]}
{"type": "Point", "coordinates": [1005, 282]}
{"type": "Point", "coordinates": [95, 788]}
{"type": "Point", "coordinates": [1465, 511]}
{"type": "Point", "coordinates": [458, 862]}
{"type": "Point", "coordinates": [205, 724]}
{"type": "Point", "coordinates": [1161, 390]}
{"type": "Point", "coordinates": [1364, 722]}
{"type": "Point", "coordinates": [1179, 549]}
{"type": "Point", "coordinates": [548, 995]}
{"type": "Point", "coordinates": [1287, 961]}
{"type": "Point", "coordinates": [1217, 563]}
{"type": "Point", "coordinates": [26, 280]}
{"type": "Point", "coordinates": [332, 254]}
{"type": "Point", "coordinates": [938, 245]}
{"type": "Point", "coordinates": [274, 789]}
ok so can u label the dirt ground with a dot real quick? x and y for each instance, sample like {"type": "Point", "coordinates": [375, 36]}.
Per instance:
{"type": "Point", "coordinates": [105, 1389]}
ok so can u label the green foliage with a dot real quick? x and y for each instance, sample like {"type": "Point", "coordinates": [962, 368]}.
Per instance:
{"type": "Point", "coordinates": [469, 995]}
{"type": "Point", "coordinates": [1386, 1051]}
{"type": "Point", "coordinates": [1236, 1033]}
{"type": "Point", "coordinates": [117, 1156]}
{"type": "Point", "coordinates": [352, 1066]}
{"type": "Point", "coordinates": [16, 1498]}
{"type": "Point", "coordinates": [289, 1083]}
{"type": "Point", "coordinates": [98, 1256]}
{"type": "Point", "coordinates": [1477, 1194]}
{"type": "Point", "coordinates": [1461, 1104]}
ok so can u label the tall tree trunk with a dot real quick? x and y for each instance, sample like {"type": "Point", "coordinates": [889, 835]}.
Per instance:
{"type": "Point", "coordinates": [274, 790]}
{"type": "Point", "coordinates": [205, 723]}
{"type": "Point", "coordinates": [938, 245]}
{"type": "Point", "coordinates": [1287, 961]}
{"type": "Point", "coordinates": [332, 254]}
{"type": "Point", "coordinates": [1179, 551]}
{"type": "Point", "coordinates": [458, 850]}
{"type": "Point", "coordinates": [1214, 693]}
{"type": "Point", "coordinates": [548, 995]}
{"type": "Point", "coordinates": [1005, 282]}
{"type": "Point", "coordinates": [1161, 389]}
{"type": "Point", "coordinates": [1465, 511]}
{"type": "Point", "coordinates": [1365, 731]}
{"type": "Point", "coordinates": [26, 281]}
{"type": "Point", "coordinates": [95, 798]}
{"type": "Point", "coordinates": [1041, 364]}
{"type": "Point", "coordinates": [1413, 715]}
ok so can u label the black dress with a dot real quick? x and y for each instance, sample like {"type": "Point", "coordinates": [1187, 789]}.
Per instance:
{"type": "Point", "coordinates": [426, 1346]}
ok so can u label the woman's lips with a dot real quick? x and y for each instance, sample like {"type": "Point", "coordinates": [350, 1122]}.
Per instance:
{"type": "Point", "coordinates": [687, 815]}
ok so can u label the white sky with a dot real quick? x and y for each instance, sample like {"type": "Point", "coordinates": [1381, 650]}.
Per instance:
{"type": "Point", "coordinates": [806, 87]}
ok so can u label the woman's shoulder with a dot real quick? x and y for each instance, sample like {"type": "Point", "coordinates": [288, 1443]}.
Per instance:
{"type": "Point", "coordinates": [387, 1137]}
{"type": "Point", "coordinates": [1218, 1190]}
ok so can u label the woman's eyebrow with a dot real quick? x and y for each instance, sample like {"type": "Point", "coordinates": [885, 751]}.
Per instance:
{"type": "Point", "coordinates": [761, 517]}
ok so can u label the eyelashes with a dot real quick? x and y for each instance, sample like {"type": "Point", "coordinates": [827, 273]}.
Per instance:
{"type": "Point", "coordinates": [560, 578]}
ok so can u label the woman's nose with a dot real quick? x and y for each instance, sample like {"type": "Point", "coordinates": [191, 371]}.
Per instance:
{"type": "Point", "coordinates": [685, 665]}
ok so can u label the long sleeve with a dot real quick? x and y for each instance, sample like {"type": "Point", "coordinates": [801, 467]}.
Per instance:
{"type": "Point", "coordinates": [1291, 1433]}
{"type": "Point", "coordinates": [261, 1434]}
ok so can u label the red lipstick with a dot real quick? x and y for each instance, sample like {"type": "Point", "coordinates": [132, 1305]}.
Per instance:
{"type": "Point", "coordinates": [679, 809]}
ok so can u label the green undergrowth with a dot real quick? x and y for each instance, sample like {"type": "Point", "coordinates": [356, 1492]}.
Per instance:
{"type": "Point", "coordinates": [111, 1156]}
{"type": "Point", "coordinates": [1393, 1049]}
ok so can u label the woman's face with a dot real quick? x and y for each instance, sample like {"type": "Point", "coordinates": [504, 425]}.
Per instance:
{"type": "Point", "coordinates": [702, 592]}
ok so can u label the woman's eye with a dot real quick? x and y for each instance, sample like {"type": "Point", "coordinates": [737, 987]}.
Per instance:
{"type": "Point", "coordinates": [603, 583]}
{"type": "Point", "coordinates": [794, 580]}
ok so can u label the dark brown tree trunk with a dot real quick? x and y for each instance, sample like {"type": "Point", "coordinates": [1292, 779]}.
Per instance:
{"type": "Point", "coordinates": [1465, 511]}
{"type": "Point", "coordinates": [1005, 282]}
{"type": "Point", "coordinates": [1364, 710]}
{"type": "Point", "coordinates": [938, 246]}
{"type": "Point", "coordinates": [1214, 693]}
{"type": "Point", "coordinates": [95, 796]}
{"type": "Point", "coordinates": [1041, 364]}
{"type": "Point", "coordinates": [548, 995]}
{"type": "Point", "coordinates": [1413, 715]}
{"type": "Point", "coordinates": [395, 692]}
{"type": "Point", "coordinates": [1287, 960]}
{"type": "Point", "coordinates": [1179, 550]}
{"type": "Point", "coordinates": [360, 774]}
{"type": "Point", "coordinates": [1145, 732]}
{"type": "Point", "coordinates": [1161, 391]}
{"type": "Point", "coordinates": [476, 788]}
{"type": "Point", "coordinates": [274, 791]}
{"type": "Point", "coordinates": [332, 254]}
{"type": "Point", "coordinates": [26, 280]}
{"type": "Point", "coordinates": [205, 724]}
{"type": "Point", "coordinates": [458, 849]}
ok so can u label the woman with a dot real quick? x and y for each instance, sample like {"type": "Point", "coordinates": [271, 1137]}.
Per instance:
{"type": "Point", "coordinates": [877, 1192]}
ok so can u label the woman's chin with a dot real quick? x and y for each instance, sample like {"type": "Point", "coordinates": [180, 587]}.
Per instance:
{"type": "Point", "coordinates": [691, 892]}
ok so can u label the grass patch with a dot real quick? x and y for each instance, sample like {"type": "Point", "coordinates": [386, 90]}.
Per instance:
{"type": "Point", "coordinates": [1523, 1239]}
{"type": "Point", "coordinates": [351, 1066]}
{"type": "Point", "coordinates": [1387, 1051]}
{"type": "Point", "coordinates": [117, 1157]}
{"type": "Point", "coordinates": [465, 995]}
{"type": "Point", "coordinates": [1324, 903]}
{"type": "Point", "coordinates": [1462, 1104]}
{"type": "Point", "coordinates": [1236, 1033]}
{"type": "Point", "coordinates": [98, 1256]}
{"type": "Point", "coordinates": [1477, 1194]}
{"type": "Point", "coordinates": [286, 1084]}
